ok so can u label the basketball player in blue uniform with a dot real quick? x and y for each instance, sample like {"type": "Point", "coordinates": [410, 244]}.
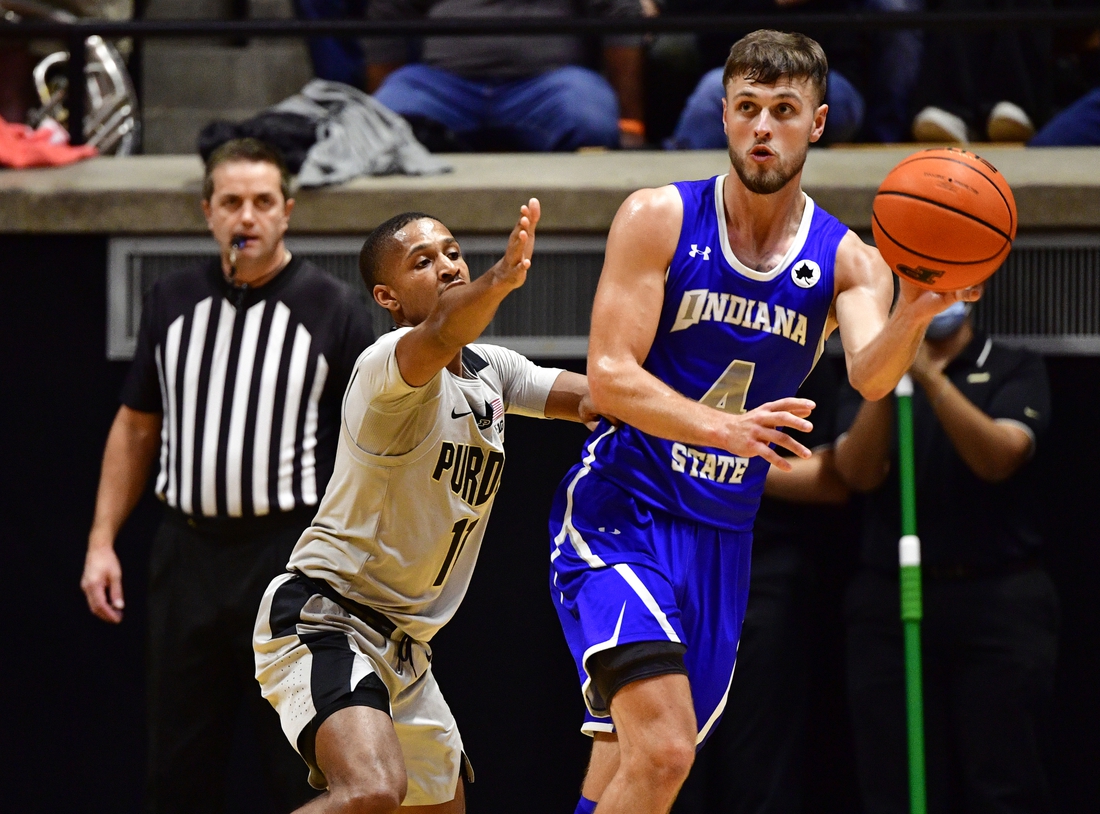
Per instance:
{"type": "Point", "coordinates": [714, 303]}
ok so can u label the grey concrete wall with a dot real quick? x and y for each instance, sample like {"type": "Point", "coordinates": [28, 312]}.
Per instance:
{"type": "Point", "coordinates": [1055, 189]}
{"type": "Point", "coordinates": [188, 83]}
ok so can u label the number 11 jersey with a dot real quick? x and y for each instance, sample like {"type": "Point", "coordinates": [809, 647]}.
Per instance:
{"type": "Point", "coordinates": [730, 337]}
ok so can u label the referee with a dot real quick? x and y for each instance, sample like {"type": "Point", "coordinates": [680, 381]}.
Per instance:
{"type": "Point", "coordinates": [237, 380]}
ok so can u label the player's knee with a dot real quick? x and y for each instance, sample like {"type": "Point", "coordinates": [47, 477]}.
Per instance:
{"type": "Point", "coordinates": [383, 795]}
{"type": "Point", "coordinates": [663, 763]}
{"type": "Point", "coordinates": [673, 760]}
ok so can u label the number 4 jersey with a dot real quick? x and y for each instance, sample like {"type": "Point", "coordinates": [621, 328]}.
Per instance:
{"type": "Point", "coordinates": [417, 468]}
{"type": "Point", "coordinates": [730, 337]}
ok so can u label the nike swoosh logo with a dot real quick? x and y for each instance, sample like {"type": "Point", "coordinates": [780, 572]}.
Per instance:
{"type": "Point", "coordinates": [460, 415]}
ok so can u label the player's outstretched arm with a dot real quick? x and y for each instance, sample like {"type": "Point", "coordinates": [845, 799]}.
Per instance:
{"type": "Point", "coordinates": [625, 316]}
{"type": "Point", "coordinates": [569, 399]}
{"type": "Point", "coordinates": [465, 309]}
{"type": "Point", "coordinates": [880, 345]}
{"type": "Point", "coordinates": [131, 445]}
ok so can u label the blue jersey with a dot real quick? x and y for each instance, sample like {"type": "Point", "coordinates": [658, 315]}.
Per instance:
{"type": "Point", "coordinates": [730, 337]}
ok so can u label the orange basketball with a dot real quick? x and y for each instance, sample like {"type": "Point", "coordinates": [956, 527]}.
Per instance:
{"type": "Point", "coordinates": [944, 219]}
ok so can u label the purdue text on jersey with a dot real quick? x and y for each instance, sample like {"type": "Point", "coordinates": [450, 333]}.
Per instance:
{"type": "Point", "coordinates": [474, 476]}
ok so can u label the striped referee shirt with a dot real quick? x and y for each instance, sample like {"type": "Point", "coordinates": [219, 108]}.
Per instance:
{"type": "Point", "coordinates": [249, 386]}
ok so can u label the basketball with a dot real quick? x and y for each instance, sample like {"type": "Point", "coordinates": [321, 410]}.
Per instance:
{"type": "Point", "coordinates": [944, 219]}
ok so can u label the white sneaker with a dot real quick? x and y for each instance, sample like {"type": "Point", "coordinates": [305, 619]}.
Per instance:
{"type": "Point", "coordinates": [1008, 122]}
{"type": "Point", "coordinates": [936, 124]}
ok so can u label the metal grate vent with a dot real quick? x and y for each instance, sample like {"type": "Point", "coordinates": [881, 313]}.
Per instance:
{"type": "Point", "coordinates": [1046, 297]}
{"type": "Point", "coordinates": [547, 318]}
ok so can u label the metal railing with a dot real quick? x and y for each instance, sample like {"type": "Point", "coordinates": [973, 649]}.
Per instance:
{"type": "Point", "coordinates": [74, 34]}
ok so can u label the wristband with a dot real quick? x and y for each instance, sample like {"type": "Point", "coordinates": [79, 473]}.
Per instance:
{"type": "Point", "coordinates": [635, 127]}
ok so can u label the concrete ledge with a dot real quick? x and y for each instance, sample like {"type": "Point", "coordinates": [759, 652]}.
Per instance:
{"type": "Point", "coordinates": [1056, 189]}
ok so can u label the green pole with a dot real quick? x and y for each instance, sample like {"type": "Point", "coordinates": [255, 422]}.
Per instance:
{"type": "Point", "coordinates": [911, 607]}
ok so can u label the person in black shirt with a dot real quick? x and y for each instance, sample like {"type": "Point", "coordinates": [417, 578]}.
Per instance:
{"type": "Point", "coordinates": [990, 610]}
{"type": "Point", "coordinates": [237, 379]}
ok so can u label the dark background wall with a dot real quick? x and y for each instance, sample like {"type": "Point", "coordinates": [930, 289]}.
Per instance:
{"type": "Point", "coordinates": [73, 686]}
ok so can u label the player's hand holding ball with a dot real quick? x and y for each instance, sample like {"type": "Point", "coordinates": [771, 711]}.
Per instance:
{"type": "Point", "coordinates": [944, 221]}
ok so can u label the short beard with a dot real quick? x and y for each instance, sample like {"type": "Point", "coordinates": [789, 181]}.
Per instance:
{"type": "Point", "coordinates": [770, 181]}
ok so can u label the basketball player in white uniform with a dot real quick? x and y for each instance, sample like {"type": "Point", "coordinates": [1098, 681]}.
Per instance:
{"type": "Point", "coordinates": [342, 639]}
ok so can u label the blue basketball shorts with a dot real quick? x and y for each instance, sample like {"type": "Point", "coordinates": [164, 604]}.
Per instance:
{"type": "Point", "coordinates": [623, 571]}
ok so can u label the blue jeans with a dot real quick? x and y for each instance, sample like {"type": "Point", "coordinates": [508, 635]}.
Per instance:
{"type": "Point", "coordinates": [700, 124]}
{"type": "Point", "coordinates": [335, 59]}
{"type": "Point", "coordinates": [562, 109]}
{"type": "Point", "coordinates": [895, 68]}
{"type": "Point", "coordinates": [1076, 126]}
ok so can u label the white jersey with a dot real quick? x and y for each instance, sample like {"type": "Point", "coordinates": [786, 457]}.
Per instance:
{"type": "Point", "coordinates": [401, 523]}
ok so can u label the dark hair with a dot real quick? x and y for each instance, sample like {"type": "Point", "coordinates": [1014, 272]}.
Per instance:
{"type": "Point", "coordinates": [767, 56]}
{"type": "Point", "coordinates": [370, 256]}
{"type": "Point", "coordinates": [245, 149]}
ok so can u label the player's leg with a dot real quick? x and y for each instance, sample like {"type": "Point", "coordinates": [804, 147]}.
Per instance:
{"type": "Point", "coordinates": [639, 762]}
{"type": "Point", "coordinates": [359, 754]}
{"type": "Point", "coordinates": [631, 626]}
{"type": "Point", "coordinates": [362, 709]}
{"type": "Point", "coordinates": [357, 751]}
{"type": "Point", "coordinates": [642, 769]}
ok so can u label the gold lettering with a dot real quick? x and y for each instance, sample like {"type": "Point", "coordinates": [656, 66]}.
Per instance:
{"type": "Point", "coordinates": [799, 333]}
{"type": "Point", "coordinates": [763, 321]}
{"type": "Point", "coordinates": [739, 470]}
{"type": "Point", "coordinates": [678, 459]}
{"type": "Point", "coordinates": [784, 320]}
{"type": "Point", "coordinates": [736, 311]}
{"type": "Point", "coordinates": [690, 307]}
{"type": "Point", "coordinates": [696, 456]}
{"type": "Point", "coordinates": [716, 306]}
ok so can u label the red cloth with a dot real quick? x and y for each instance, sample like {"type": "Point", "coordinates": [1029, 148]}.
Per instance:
{"type": "Point", "coordinates": [22, 147]}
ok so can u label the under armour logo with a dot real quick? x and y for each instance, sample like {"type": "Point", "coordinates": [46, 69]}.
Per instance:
{"type": "Point", "coordinates": [695, 251]}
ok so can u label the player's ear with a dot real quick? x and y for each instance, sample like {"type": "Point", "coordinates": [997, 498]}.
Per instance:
{"type": "Point", "coordinates": [384, 296]}
{"type": "Point", "coordinates": [819, 122]}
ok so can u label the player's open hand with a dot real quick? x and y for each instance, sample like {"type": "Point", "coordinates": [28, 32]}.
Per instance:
{"type": "Point", "coordinates": [512, 268]}
{"type": "Point", "coordinates": [925, 304]}
{"type": "Point", "coordinates": [102, 583]}
{"type": "Point", "coordinates": [753, 433]}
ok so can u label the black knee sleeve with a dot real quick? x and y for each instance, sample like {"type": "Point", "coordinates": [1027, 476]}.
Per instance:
{"type": "Point", "coordinates": [614, 668]}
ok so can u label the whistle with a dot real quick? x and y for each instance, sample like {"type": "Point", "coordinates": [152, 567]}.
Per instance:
{"type": "Point", "coordinates": [235, 245]}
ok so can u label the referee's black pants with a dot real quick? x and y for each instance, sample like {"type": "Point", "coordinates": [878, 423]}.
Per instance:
{"type": "Point", "coordinates": [989, 650]}
{"type": "Point", "coordinates": [207, 579]}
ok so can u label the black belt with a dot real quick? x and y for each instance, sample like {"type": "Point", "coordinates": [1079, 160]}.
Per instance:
{"type": "Point", "coordinates": [240, 527]}
{"type": "Point", "coordinates": [369, 616]}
